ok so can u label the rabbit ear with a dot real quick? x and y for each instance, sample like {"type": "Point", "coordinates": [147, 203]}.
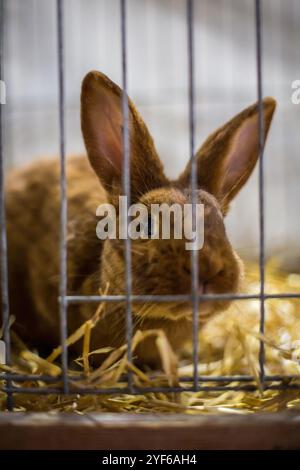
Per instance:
{"type": "Point", "coordinates": [226, 159]}
{"type": "Point", "coordinates": [102, 128]}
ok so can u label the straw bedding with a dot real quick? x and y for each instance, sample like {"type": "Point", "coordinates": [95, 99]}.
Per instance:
{"type": "Point", "coordinates": [229, 345]}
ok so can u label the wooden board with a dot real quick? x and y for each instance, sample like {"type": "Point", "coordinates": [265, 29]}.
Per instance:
{"type": "Point", "coordinates": [126, 431]}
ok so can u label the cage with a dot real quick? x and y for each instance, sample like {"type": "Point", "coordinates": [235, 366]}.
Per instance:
{"type": "Point", "coordinates": [189, 65]}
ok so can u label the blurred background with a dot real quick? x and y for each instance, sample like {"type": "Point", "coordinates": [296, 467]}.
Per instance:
{"type": "Point", "coordinates": [157, 53]}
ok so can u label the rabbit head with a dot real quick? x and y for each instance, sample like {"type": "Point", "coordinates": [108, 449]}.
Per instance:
{"type": "Point", "coordinates": [224, 164]}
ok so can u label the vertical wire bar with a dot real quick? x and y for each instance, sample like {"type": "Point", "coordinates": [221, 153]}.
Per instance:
{"type": "Point", "coordinates": [258, 24]}
{"type": "Point", "coordinates": [63, 198]}
{"type": "Point", "coordinates": [193, 182]}
{"type": "Point", "coordinates": [4, 268]}
{"type": "Point", "coordinates": [126, 189]}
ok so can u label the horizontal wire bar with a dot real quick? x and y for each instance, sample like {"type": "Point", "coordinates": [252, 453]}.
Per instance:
{"type": "Point", "coordinates": [143, 390]}
{"type": "Point", "coordinates": [31, 377]}
{"type": "Point", "coordinates": [201, 378]}
{"type": "Point", "coordinates": [75, 299]}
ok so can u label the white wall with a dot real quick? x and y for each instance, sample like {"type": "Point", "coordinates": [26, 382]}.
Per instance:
{"type": "Point", "coordinates": [225, 80]}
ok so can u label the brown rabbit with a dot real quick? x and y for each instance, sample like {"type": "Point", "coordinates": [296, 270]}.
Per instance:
{"type": "Point", "coordinates": [225, 162]}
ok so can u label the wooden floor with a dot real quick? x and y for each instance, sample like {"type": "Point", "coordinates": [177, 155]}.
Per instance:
{"type": "Point", "coordinates": [125, 431]}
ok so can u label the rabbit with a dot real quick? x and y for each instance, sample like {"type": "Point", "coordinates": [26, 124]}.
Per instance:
{"type": "Point", "coordinates": [224, 164]}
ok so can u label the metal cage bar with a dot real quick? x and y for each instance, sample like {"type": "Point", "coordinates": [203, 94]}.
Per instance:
{"type": "Point", "coordinates": [126, 187]}
{"type": "Point", "coordinates": [159, 389]}
{"type": "Point", "coordinates": [202, 378]}
{"type": "Point", "coordinates": [261, 131]}
{"type": "Point", "coordinates": [4, 257]}
{"type": "Point", "coordinates": [75, 299]}
{"type": "Point", "coordinates": [63, 194]}
{"type": "Point", "coordinates": [193, 183]}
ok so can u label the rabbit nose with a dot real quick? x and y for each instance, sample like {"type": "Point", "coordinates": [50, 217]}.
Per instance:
{"type": "Point", "coordinates": [209, 268]}
{"type": "Point", "coordinates": [207, 271]}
